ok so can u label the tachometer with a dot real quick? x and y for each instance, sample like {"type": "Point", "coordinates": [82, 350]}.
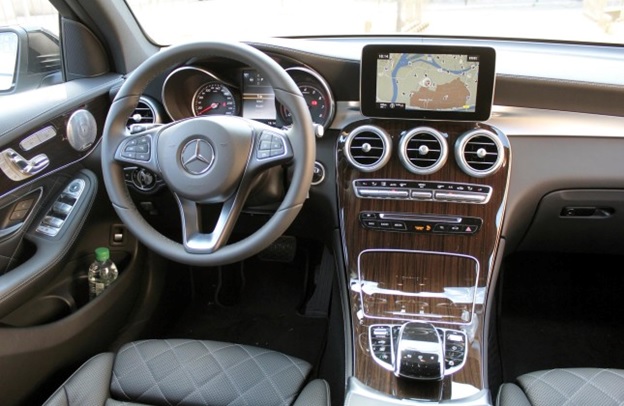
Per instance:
{"type": "Point", "coordinates": [316, 93]}
{"type": "Point", "coordinates": [214, 98]}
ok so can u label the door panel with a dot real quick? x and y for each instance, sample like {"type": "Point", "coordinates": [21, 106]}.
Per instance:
{"type": "Point", "coordinates": [53, 212]}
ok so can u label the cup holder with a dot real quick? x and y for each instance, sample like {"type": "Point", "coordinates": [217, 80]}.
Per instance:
{"type": "Point", "coordinates": [65, 296]}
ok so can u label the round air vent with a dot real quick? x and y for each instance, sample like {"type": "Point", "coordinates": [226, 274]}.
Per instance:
{"type": "Point", "coordinates": [423, 150]}
{"type": "Point", "coordinates": [368, 148]}
{"type": "Point", "coordinates": [145, 112]}
{"type": "Point", "coordinates": [479, 153]}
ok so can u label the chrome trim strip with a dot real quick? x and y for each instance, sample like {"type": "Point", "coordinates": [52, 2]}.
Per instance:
{"type": "Point", "coordinates": [359, 394]}
{"type": "Point", "coordinates": [456, 196]}
{"type": "Point", "coordinates": [419, 217]}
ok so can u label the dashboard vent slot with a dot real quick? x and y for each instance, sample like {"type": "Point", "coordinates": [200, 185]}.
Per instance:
{"type": "Point", "coordinates": [479, 153]}
{"type": "Point", "coordinates": [423, 150]}
{"type": "Point", "coordinates": [368, 148]}
{"type": "Point", "coordinates": [144, 113]}
{"type": "Point", "coordinates": [49, 62]}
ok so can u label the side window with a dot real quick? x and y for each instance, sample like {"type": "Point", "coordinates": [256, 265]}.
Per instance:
{"type": "Point", "coordinates": [30, 55]}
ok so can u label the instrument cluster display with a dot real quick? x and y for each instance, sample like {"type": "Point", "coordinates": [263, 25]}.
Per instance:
{"type": "Point", "coordinates": [193, 91]}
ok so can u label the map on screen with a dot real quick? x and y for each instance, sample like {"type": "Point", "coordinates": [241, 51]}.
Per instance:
{"type": "Point", "coordinates": [434, 82]}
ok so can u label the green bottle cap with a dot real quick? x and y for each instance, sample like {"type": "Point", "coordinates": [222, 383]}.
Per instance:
{"type": "Point", "coordinates": [102, 254]}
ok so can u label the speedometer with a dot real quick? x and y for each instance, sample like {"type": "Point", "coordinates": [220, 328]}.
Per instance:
{"type": "Point", "coordinates": [214, 98]}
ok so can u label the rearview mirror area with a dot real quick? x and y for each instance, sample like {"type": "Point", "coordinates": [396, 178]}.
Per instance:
{"type": "Point", "coordinates": [29, 59]}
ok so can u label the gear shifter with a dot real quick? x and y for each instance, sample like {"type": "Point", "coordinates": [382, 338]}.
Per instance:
{"type": "Point", "coordinates": [419, 352]}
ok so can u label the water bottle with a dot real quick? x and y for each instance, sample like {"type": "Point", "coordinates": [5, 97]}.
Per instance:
{"type": "Point", "coordinates": [102, 272]}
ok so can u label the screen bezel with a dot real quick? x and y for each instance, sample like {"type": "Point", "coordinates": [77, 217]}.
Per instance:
{"type": "Point", "coordinates": [485, 87]}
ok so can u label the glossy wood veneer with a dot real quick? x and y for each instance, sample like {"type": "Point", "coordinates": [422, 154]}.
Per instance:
{"type": "Point", "coordinates": [438, 270]}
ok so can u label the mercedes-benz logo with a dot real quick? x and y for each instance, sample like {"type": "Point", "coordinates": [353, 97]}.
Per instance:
{"type": "Point", "coordinates": [197, 156]}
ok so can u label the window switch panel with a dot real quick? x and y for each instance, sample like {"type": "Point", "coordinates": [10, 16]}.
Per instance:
{"type": "Point", "coordinates": [60, 211]}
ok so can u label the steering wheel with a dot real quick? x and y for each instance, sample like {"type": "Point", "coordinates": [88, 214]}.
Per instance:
{"type": "Point", "coordinates": [209, 159]}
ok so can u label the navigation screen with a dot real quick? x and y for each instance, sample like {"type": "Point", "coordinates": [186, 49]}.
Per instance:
{"type": "Point", "coordinates": [436, 83]}
{"type": "Point", "coordinates": [427, 81]}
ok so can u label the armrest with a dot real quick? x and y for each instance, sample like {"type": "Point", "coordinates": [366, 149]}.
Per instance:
{"type": "Point", "coordinates": [24, 281]}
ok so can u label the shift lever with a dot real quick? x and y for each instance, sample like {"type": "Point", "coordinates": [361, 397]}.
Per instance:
{"type": "Point", "coordinates": [419, 352]}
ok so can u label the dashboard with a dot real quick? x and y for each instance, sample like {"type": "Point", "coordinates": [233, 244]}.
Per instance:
{"type": "Point", "coordinates": [411, 174]}
{"type": "Point", "coordinates": [415, 171]}
{"type": "Point", "coordinates": [438, 163]}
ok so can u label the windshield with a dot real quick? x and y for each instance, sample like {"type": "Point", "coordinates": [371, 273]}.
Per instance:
{"type": "Point", "coordinates": [172, 21]}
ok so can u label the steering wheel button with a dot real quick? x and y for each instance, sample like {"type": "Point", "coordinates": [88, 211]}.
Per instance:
{"type": "Point", "coordinates": [263, 154]}
{"type": "Point", "coordinates": [131, 142]}
{"type": "Point", "coordinates": [278, 151]}
{"type": "Point", "coordinates": [142, 157]}
{"type": "Point", "coordinates": [279, 144]}
{"type": "Point", "coordinates": [131, 155]}
{"type": "Point", "coordinates": [265, 145]}
{"type": "Point", "coordinates": [143, 148]}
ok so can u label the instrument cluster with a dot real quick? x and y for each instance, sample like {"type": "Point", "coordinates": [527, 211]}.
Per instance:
{"type": "Point", "coordinates": [192, 91]}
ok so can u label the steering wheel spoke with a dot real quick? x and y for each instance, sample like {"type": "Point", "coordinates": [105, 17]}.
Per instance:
{"type": "Point", "coordinates": [139, 149]}
{"type": "Point", "coordinates": [197, 242]}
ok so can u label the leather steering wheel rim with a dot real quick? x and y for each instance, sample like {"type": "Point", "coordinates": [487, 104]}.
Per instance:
{"type": "Point", "coordinates": [300, 137]}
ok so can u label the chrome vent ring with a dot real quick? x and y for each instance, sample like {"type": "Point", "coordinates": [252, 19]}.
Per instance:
{"type": "Point", "coordinates": [146, 112]}
{"type": "Point", "coordinates": [423, 150]}
{"type": "Point", "coordinates": [368, 148]}
{"type": "Point", "coordinates": [479, 153]}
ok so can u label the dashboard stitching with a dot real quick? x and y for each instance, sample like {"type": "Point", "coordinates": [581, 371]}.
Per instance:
{"type": "Point", "coordinates": [561, 81]}
{"type": "Point", "coordinates": [287, 51]}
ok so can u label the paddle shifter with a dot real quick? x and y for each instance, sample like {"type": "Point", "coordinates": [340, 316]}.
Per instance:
{"type": "Point", "coordinates": [418, 350]}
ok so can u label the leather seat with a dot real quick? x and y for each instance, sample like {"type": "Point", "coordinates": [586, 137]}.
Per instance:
{"type": "Point", "coordinates": [570, 386]}
{"type": "Point", "coordinates": [191, 372]}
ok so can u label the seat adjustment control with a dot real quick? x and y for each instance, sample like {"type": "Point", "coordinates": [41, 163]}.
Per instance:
{"type": "Point", "coordinates": [18, 168]}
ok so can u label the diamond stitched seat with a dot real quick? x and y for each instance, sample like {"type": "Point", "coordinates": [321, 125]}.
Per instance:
{"type": "Point", "coordinates": [191, 372]}
{"type": "Point", "coordinates": [571, 386]}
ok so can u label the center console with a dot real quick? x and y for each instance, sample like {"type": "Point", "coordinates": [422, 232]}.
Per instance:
{"type": "Point", "coordinates": [422, 185]}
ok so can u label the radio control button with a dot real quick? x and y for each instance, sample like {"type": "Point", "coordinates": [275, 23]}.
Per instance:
{"type": "Point", "coordinates": [422, 195]}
